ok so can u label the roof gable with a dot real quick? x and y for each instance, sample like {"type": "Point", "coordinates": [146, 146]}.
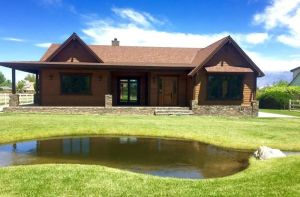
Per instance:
{"type": "Point", "coordinates": [296, 80]}
{"type": "Point", "coordinates": [206, 54]}
{"type": "Point", "coordinates": [72, 50]}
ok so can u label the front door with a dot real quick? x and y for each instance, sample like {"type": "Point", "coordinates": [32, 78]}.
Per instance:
{"type": "Point", "coordinates": [167, 91]}
{"type": "Point", "coordinates": [128, 91]}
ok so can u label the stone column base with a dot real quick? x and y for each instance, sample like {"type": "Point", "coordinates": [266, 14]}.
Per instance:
{"type": "Point", "coordinates": [108, 100]}
{"type": "Point", "coordinates": [14, 100]}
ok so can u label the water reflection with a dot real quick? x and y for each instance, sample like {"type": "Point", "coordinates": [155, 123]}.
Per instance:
{"type": "Point", "coordinates": [161, 157]}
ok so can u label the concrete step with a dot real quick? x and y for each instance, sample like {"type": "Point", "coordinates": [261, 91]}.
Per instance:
{"type": "Point", "coordinates": [171, 108]}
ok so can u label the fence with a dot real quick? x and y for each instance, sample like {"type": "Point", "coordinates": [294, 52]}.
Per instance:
{"type": "Point", "coordinates": [294, 105]}
{"type": "Point", "coordinates": [25, 99]}
{"type": "Point", "coordinates": [4, 99]}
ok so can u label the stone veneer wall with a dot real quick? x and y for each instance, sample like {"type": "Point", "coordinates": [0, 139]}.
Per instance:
{"type": "Point", "coordinates": [225, 110]}
{"type": "Point", "coordinates": [83, 110]}
{"type": "Point", "coordinates": [14, 100]}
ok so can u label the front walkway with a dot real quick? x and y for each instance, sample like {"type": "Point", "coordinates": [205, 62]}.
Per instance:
{"type": "Point", "coordinates": [272, 115]}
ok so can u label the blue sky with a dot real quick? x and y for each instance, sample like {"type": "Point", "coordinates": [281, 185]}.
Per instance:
{"type": "Point", "coordinates": [268, 30]}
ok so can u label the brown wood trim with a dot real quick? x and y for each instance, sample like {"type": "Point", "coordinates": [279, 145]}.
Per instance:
{"type": "Point", "coordinates": [73, 37]}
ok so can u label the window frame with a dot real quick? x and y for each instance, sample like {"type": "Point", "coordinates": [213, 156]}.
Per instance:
{"type": "Point", "coordinates": [76, 74]}
{"type": "Point", "coordinates": [241, 96]}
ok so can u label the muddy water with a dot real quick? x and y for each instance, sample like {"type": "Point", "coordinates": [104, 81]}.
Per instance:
{"type": "Point", "coordinates": [155, 156]}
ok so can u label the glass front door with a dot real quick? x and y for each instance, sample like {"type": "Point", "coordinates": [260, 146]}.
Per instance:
{"type": "Point", "coordinates": [128, 91]}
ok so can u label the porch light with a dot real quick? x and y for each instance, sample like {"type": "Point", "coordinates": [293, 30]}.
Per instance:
{"type": "Point", "coordinates": [51, 77]}
{"type": "Point", "coordinates": [100, 78]}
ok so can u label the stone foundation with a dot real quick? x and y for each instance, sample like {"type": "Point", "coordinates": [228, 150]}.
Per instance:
{"type": "Point", "coordinates": [14, 100]}
{"type": "Point", "coordinates": [226, 110]}
{"type": "Point", "coordinates": [83, 110]}
{"type": "Point", "coordinates": [219, 110]}
{"type": "Point", "coordinates": [108, 100]}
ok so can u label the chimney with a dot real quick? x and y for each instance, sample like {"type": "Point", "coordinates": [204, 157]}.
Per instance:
{"type": "Point", "coordinates": [115, 42]}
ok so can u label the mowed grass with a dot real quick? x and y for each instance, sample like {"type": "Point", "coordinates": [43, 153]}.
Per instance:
{"type": "Point", "coordinates": [275, 177]}
{"type": "Point", "coordinates": [281, 111]}
{"type": "Point", "coordinates": [240, 133]}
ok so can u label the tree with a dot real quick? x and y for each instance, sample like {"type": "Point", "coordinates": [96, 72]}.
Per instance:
{"type": "Point", "coordinates": [7, 83]}
{"type": "Point", "coordinates": [2, 78]}
{"type": "Point", "coordinates": [21, 85]}
{"type": "Point", "coordinates": [30, 78]}
{"type": "Point", "coordinates": [281, 83]}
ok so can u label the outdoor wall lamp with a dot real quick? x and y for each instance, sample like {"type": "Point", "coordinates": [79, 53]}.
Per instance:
{"type": "Point", "coordinates": [51, 77]}
{"type": "Point", "coordinates": [100, 78]}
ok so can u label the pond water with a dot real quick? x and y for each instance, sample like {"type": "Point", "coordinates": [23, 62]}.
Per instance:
{"type": "Point", "coordinates": [155, 156]}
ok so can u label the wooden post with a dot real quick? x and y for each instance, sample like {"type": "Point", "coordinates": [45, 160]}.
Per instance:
{"type": "Point", "coordinates": [290, 105]}
{"type": "Point", "coordinates": [13, 77]}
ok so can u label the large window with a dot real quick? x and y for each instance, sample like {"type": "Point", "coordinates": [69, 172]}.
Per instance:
{"type": "Point", "coordinates": [224, 87]}
{"type": "Point", "coordinates": [76, 84]}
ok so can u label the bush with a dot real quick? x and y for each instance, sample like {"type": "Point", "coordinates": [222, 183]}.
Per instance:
{"type": "Point", "coordinates": [277, 97]}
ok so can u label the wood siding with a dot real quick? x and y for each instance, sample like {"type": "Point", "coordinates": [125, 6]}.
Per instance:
{"type": "Point", "coordinates": [248, 90]}
{"type": "Point", "coordinates": [75, 52]}
{"type": "Point", "coordinates": [232, 57]}
{"type": "Point", "coordinates": [51, 92]}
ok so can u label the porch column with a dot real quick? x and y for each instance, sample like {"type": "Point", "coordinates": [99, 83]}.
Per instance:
{"type": "Point", "coordinates": [13, 98]}
{"type": "Point", "coordinates": [108, 100]}
{"type": "Point", "coordinates": [13, 78]}
{"type": "Point", "coordinates": [37, 88]}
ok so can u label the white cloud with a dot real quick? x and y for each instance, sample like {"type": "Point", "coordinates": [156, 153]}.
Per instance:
{"type": "Point", "coordinates": [267, 63]}
{"type": "Point", "coordinates": [130, 34]}
{"type": "Point", "coordinates": [140, 30]}
{"type": "Point", "coordinates": [257, 38]}
{"type": "Point", "coordinates": [138, 18]}
{"type": "Point", "coordinates": [283, 16]}
{"type": "Point", "coordinates": [13, 39]}
{"type": "Point", "coordinates": [43, 45]}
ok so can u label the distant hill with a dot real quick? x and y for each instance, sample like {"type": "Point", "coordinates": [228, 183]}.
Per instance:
{"type": "Point", "coordinates": [272, 77]}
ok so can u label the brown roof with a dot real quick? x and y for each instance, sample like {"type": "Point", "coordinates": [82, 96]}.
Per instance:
{"type": "Point", "coordinates": [192, 58]}
{"type": "Point", "coordinates": [134, 54]}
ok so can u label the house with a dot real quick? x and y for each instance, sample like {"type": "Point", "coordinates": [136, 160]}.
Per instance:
{"type": "Point", "coordinates": [217, 79]}
{"type": "Point", "coordinates": [5, 89]}
{"type": "Point", "coordinates": [296, 77]}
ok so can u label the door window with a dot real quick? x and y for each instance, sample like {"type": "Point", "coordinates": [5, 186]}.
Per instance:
{"type": "Point", "coordinates": [128, 91]}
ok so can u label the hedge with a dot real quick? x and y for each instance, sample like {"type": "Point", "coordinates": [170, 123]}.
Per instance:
{"type": "Point", "coordinates": [277, 97]}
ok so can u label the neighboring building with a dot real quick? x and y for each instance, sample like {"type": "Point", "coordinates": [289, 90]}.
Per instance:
{"type": "Point", "coordinates": [29, 87]}
{"type": "Point", "coordinates": [215, 79]}
{"type": "Point", "coordinates": [296, 77]}
{"type": "Point", "coordinates": [5, 89]}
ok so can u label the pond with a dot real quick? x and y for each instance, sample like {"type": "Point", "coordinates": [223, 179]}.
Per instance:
{"type": "Point", "coordinates": [155, 156]}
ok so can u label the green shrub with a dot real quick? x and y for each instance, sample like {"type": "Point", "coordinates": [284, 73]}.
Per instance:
{"type": "Point", "coordinates": [277, 97]}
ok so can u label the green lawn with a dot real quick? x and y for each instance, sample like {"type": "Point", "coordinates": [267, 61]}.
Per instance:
{"type": "Point", "coordinates": [276, 177]}
{"type": "Point", "coordinates": [281, 111]}
{"type": "Point", "coordinates": [241, 133]}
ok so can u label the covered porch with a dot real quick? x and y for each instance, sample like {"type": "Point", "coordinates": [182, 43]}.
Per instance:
{"type": "Point", "coordinates": [104, 85]}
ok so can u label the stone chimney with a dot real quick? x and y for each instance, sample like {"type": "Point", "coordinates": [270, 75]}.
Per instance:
{"type": "Point", "coordinates": [115, 42]}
